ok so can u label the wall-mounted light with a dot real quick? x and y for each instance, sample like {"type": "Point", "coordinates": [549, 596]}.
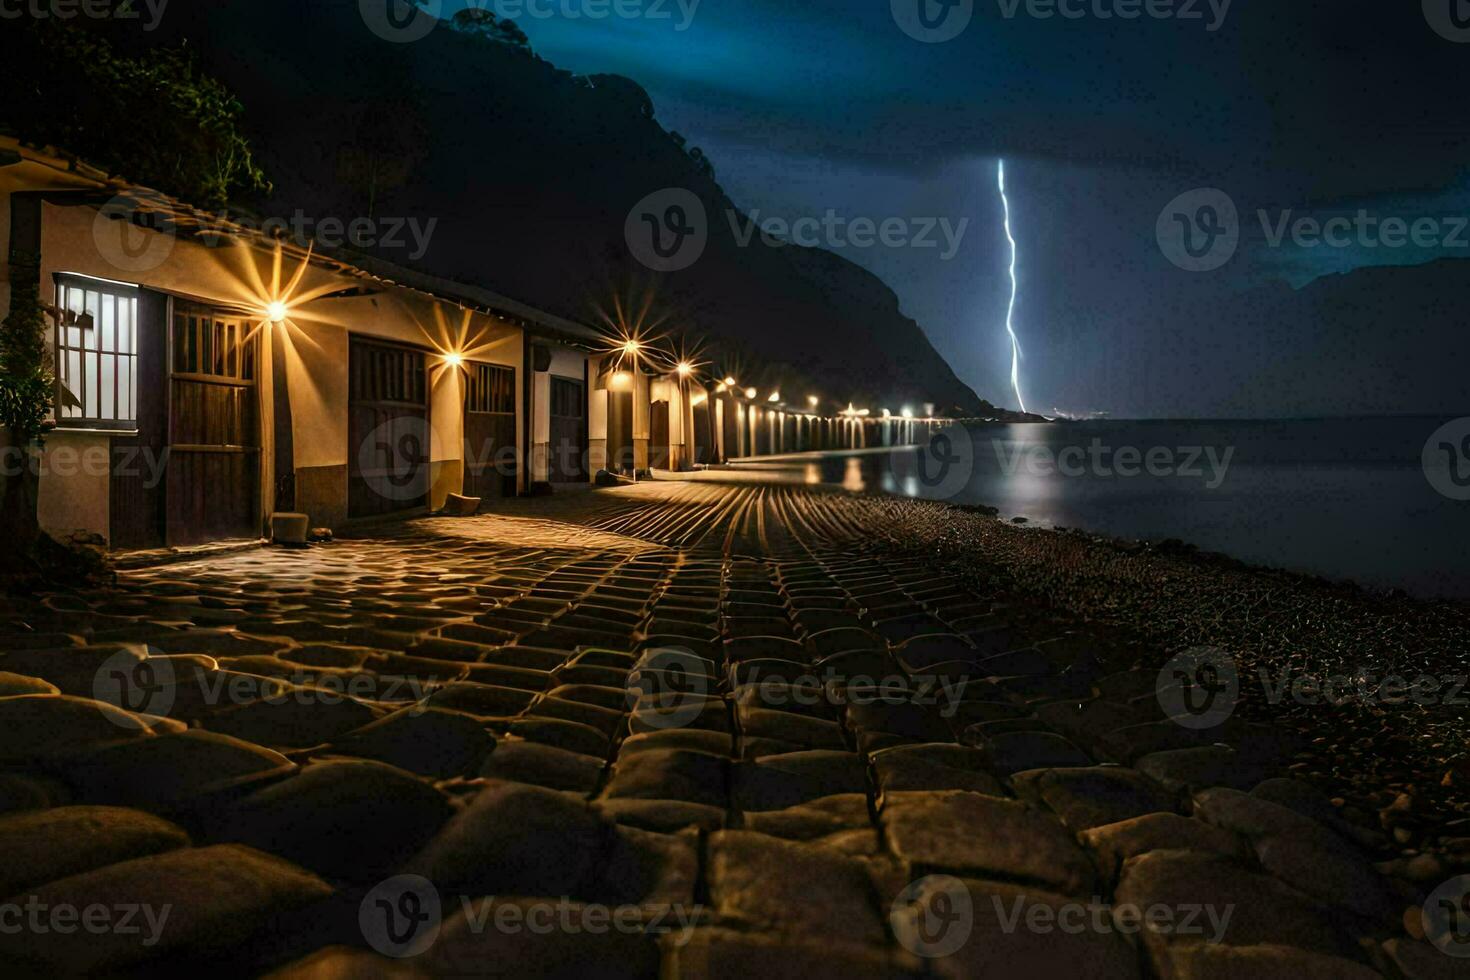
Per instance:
{"type": "Point", "coordinates": [775, 397]}
{"type": "Point", "coordinates": [275, 311]}
{"type": "Point", "coordinates": [813, 401]}
{"type": "Point", "coordinates": [751, 393]}
{"type": "Point", "coordinates": [453, 360]}
{"type": "Point", "coordinates": [685, 369]}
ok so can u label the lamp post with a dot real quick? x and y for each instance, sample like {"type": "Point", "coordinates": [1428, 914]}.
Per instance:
{"type": "Point", "coordinates": [684, 371]}
{"type": "Point", "coordinates": [631, 348]}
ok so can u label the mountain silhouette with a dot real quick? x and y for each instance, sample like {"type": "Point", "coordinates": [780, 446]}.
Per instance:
{"type": "Point", "coordinates": [528, 174]}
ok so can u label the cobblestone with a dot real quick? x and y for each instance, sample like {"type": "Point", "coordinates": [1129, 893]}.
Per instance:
{"type": "Point", "coordinates": [269, 738]}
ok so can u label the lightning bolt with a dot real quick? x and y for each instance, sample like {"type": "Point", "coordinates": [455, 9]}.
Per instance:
{"type": "Point", "coordinates": [1011, 310]}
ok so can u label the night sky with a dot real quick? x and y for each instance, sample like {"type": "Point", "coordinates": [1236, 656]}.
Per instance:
{"type": "Point", "coordinates": [1320, 106]}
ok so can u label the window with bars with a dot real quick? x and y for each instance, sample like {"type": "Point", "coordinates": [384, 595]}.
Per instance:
{"type": "Point", "coordinates": [492, 390]}
{"type": "Point", "coordinates": [211, 344]}
{"type": "Point", "coordinates": [96, 353]}
{"type": "Point", "coordinates": [393, 375]}
{"type": "Point", "coordinates": [566, 398]}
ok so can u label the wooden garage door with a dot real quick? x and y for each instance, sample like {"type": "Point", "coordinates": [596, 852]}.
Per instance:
{"type": "Point", "coordinates": [388, 428]}
{"type": "Point", "coordinates": [490, 467]}
{"type": "Point", "coordinates": [568, 447]}
{"type": "Point", "coordinates": [213, 475]}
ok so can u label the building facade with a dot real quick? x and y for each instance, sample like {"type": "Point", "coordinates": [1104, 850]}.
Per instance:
{"type": "Point", "coordinates": [209, 376]}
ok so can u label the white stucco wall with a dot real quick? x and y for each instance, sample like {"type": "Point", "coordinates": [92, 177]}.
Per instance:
{"type": "Point", "coordinates": [76, 239]}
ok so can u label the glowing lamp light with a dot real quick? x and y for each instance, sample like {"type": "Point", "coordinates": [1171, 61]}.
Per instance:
{"type": "Point", "coordinates": [721, 388]}
{"type": "Point", "coordinates": [453, 360]}
{"type": "Point", "coordinates": [622, 379]}
{"type": "Point", "coordinates": [275, 311]}
{"type": "Point", "coordinates": [775, 397]}
{"type": "Point", "coordinates": [632, 347]}
{"type": "Point", "coordinates": [685, 369]}
{"type": "Point", "coordinates": [813, 401]}
{"type": "Point", "coordinates": [751, 393]}
{"type": "Point", "coordinates": [908, 413]}
{"type": "Point", "coordinates": [730, 383]}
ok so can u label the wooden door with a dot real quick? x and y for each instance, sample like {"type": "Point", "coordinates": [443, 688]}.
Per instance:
{"type": "Point", "coordinates": [700, 445]}
{"type": "Point", "coordinates": [388, 440]}
{"type": "Point", "coordinates": [734, 443]}
{"type": "Point", "coordinates": [658, 436]}
{"type": "Point", "coordinates": [490, 458]}
{"type": "Point", "coordinates": [212, 488]}
{"type": "Point", "coordinates": [568, 448]}
{"type": "Point", "coordinates": [620, 431]}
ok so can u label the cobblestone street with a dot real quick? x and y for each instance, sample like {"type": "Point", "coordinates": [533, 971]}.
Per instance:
{"type": "Point", "coordinates": [679, 730]}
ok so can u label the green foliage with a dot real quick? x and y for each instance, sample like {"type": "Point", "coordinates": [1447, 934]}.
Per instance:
{"type": "Point", "coordinates": [26, 381]}
{"type": "Point", "coordinates": [153, 119]}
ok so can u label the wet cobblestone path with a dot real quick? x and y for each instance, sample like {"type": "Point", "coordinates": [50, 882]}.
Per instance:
{"type": "Point", "coordinates": [678, 730]}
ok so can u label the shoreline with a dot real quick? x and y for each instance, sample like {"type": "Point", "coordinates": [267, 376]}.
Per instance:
{"type": "Point", "coordinates": [1284, 623]}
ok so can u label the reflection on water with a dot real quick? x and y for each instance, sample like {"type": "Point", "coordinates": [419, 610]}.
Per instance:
{"type": "Point", "coordinates": [1342, 498]}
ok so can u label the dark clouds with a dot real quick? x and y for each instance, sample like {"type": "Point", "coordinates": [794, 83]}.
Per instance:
{"type": "Point", "coordinates": [1321, 106]}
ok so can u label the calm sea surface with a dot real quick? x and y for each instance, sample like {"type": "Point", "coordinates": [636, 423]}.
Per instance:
{"type": "Point", "coordinates": [1344, 498]}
